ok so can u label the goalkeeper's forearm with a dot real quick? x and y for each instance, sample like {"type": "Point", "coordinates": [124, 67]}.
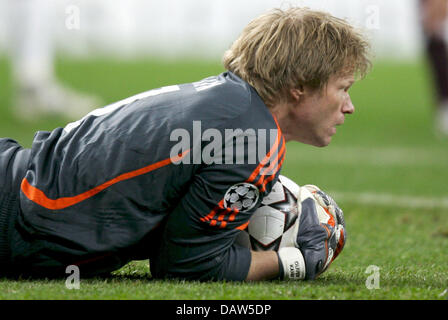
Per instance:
{"type": "Point", "coordinates": [263, 266]}
{"type": "Point", "coordinates": [288, 263]}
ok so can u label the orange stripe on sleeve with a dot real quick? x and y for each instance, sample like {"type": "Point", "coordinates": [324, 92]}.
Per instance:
{"type": "Point", "coordinates": [265, 159]}
{"type": "Point", "coordinates": [243, 226]}
{"type": "Point", "coordinates": [270, 178]}
{"type": "Point", "coordinates": [273, 167]}
{"type": "Point", "coordinates": [213, 212]}
{"type": "Point", "coordinates": [262, 180]}
{"type": "Point", "coordinates": [39, 197]}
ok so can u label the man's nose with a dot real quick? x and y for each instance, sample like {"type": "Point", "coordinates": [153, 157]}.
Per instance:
{"type": "Point", "coordinates": [348, 106]}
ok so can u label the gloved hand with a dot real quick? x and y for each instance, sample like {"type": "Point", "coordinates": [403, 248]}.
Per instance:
{"type": "Point", "coordinates": [331, 207]}
{"type": "Point", "coordinates": [319, 236]}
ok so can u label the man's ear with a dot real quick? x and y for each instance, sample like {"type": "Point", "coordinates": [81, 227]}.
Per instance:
{"type": "Point", "coordinates": [296, 93]}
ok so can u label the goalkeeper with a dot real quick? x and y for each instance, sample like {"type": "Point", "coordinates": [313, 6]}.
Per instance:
{"type": "Point", "coordinates": [133, 181]}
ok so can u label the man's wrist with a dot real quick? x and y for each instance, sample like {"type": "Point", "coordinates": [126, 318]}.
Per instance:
{"type": "Point", "coordinates": [291, 264]}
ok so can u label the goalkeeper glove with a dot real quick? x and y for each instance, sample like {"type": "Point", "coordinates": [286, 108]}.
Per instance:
{"type": "Point", "coordinates": [316, 243]}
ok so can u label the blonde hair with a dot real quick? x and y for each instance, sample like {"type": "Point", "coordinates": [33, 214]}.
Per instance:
{"type": "Point", "coordinates": [283, 49]}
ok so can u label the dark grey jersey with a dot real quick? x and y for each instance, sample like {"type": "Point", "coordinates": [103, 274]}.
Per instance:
{"type": "Point", "coordinates": [171, 174]}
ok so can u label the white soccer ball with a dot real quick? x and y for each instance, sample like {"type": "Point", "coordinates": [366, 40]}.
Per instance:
{"type": "Point", "coordinates": [273, 219]}
{"type": "Point", "coordinates": [273, 225]}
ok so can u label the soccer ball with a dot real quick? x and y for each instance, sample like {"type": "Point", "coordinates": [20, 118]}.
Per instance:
{"type": "Point", "coordinates": [273, 221]}
{"type": "Point", "coordinates": [272, 225]}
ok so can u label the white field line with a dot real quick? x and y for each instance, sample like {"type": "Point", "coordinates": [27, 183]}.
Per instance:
{"type": "Point", "coordinates": [378, 199]}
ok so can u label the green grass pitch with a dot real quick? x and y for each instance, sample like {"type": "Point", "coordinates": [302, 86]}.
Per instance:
{"type": "Point", "coordinates": [386, 168]}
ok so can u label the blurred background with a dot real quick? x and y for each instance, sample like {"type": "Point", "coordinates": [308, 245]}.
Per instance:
{"type": "Point", "coordinates": [61, 59]}
{"type": "Point", "coordinates": [387, 167]}
{"type": "Point", "coordinates": [197, 28]}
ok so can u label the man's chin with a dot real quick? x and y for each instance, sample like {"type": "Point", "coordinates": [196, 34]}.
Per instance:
{"type": "Point", "coordinates": [323, 143]}
{"type": "Point", "coordinates": [320, 144]}
{"type": "Point", "coordinates": [316, 142]}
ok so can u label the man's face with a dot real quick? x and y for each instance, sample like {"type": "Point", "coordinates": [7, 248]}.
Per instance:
{"type": "Point", "coordinates": [313, 119]}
